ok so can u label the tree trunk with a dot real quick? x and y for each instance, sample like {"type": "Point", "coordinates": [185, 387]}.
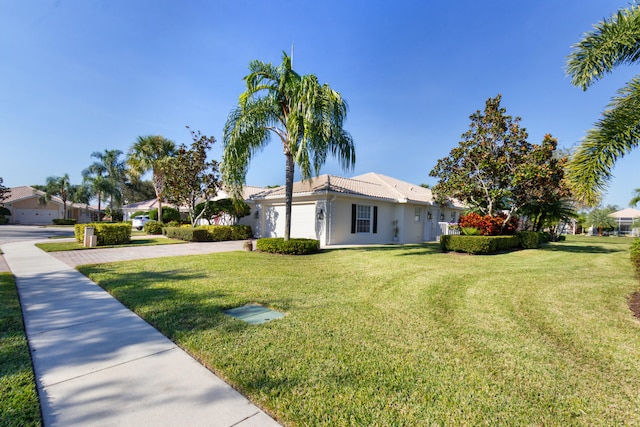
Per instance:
{"type": "Point", "coordinates": [288, 195]}
{"type": "Point", "coordinates": [158, 184]}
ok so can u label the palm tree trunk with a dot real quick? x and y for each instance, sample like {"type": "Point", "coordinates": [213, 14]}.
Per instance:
{"type": "Point", "coordinates": [288, 195]}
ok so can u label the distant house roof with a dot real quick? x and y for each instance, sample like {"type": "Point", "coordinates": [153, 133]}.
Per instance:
{"type": "Point", "coordinates": [17, 194]}
{"type": "Point", "coordinates": [626, 213]}
{"type": "Point", "coordinates": [371, 185]}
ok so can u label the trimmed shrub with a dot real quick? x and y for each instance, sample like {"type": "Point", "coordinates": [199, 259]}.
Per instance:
{"type": "Point", "coordinates": [221, 233]}
{"type": "Point", "coordinates": [277, 245]}
{"type": "Point", "coordinates": [153, 227]}
{"type": "Point", "coordinates": [529, 239]}
{"type": "Point", "coordinates": [4, 211]}
{"type": "Point", "coordinates": [489, 225]}
{"type": "Point", "coordinates": [188, 234]}
{"type": "Point", "coordinates": [3, 220]}
{"type": "Point", "coordinates": [168, 214]}
{"type": "Point", "coordinates": [108, 234]}
{"type": "Point", "coordinates": [62, 221]}
{"type": "Point", "coordinates": [635, 256]}
{"type": "Point", "coordinates": [478, 245]}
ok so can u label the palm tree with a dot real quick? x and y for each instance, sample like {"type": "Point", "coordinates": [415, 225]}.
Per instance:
{"type": "Point", "coordinates": [146, 154]}
{"type": "Point", "coordinates": [614, 41]}
{"type": "Point", "coordinates": [57, 186]}
{"type": "Point", "coordinates": [636, 198]}
{"type": "Point", "coordinates": [106, 176]}
{"type": "Point", "coordinates": [307, 118]}
{"type": "Point", "coordinates": [600, 219]}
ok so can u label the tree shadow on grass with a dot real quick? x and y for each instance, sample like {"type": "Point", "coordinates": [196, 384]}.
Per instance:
{"type": "Point", "coordinates": [397, 250]}
{"type": "Point", "coordinates": [174, 310]}
{"type": "Point", "coordinates": [583, 249]}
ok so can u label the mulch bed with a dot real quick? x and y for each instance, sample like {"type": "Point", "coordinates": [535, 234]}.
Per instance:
{"type": "Point", "coordinates": [634, 304]}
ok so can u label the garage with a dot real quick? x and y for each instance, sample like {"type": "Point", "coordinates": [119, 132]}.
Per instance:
{"type": "Point", "coordinates": [303, 221]}
{"type": "Point", "coordinates": [33, 216]}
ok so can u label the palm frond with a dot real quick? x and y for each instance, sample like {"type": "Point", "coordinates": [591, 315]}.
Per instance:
{"type": "Point", "coordinates": [612, 42]}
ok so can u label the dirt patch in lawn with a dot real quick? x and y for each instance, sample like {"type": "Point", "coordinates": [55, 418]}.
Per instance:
{"type": "Point", "coordinates": [634, 304]}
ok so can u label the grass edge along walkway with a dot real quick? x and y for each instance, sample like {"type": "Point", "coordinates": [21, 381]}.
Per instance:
{"type": "Point", "coordinates": [19, 404]}
{"type": "Point", "coordinates": [408, 335]}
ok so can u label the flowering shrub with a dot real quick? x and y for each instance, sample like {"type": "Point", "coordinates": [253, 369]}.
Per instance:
{"type": "Point", "coordinates": [489, 225]}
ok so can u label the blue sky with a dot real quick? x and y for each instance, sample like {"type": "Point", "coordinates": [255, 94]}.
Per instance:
{"type": "Point", "coordinates": [79, 76]}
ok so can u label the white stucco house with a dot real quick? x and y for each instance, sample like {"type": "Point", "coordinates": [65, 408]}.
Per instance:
{"type": "Point", "coordinates": [26, 208]}
{"type": "Point", "coordinates": [624, 221]}
{"type": "Point", "coordinates": [365, 209]}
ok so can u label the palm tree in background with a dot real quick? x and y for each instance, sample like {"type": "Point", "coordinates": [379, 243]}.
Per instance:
{"type": "Point", "coordinates": [613, 42]}
{"type": "Point", "coordinates": [306, 116]}
{"type": "Point", "coordinates": [59, 186]}
{"type": "Point", "coordinates": [106, 176]}
{"type": "Point", "coordinates": [636, 198]}
{"type": "Point", "coordinates": [146, 154]}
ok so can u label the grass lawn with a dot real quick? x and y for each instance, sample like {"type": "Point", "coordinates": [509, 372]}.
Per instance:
{"type": "Point", "coordinates": [407, 336]}
{"type": "Point", "coordinates": [19, 404]}
{"type": "Point", "coordinates": [75, 246]}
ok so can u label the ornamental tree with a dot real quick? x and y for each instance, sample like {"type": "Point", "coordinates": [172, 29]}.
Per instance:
{"type": "Point", "coordinates": [495, 169]}
{"type": "Point", "coordinates": [189, 177]}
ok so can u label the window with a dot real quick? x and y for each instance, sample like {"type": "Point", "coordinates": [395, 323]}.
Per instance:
{"type": "Point", "coordinates": [364, 219]}
{"type": "Point", "coordinates": [416, 214]}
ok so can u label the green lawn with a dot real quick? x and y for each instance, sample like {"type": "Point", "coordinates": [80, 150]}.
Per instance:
{"type": "Point", "coordinates": [75, 246]}
{"type": "Point", "coordinates": [18, 398]}
{"type": "Point", "coordinates": [407, 336]}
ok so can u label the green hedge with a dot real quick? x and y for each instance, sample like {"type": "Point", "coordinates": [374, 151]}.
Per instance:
{"type": "Point", "coordinates": [635, 256]}
{"type": "Point", "coordinates": [221, 233]}
{"type": "Point", "coordinates": [478, 245]}
{"type": "Point", "coordinates": [210, 233]}
{"type": "Point", "coordinates": [153, 227]}
{"type": "Point", "coordinates": [62, 221]}
{"type": "Point", "coordinates": [108, 234]}
{"type": "Point", "coordinates": [530, 239]}
{"type": "Point", "coordinates": [277, 245]}
{"type": "Point", "coordinates": [188, 234]}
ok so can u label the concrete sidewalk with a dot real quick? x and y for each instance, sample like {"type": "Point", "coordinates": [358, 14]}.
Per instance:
{"type": "Point", "coordinates": [97, 363]}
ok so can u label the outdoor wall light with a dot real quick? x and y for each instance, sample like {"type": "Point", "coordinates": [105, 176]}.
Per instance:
{"type": "Point", "coordinates": [429, 215]}
{"type": "Point", "coordinates": [442, 216]}
{"type": "Point", "coordinates": [256, 214]}
{"type": "Point", "coordinates": [320, 215]}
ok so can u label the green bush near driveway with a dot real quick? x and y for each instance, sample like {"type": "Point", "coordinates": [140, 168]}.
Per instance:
{"type": "Point", "coordinates": [62, 221]}
{"type": "Point", "coordinates": [19, 404]}
{"type": "Point", "coordinates": [277, 245]}
{"type": "Point", "coordinates": [209, 233]}
{"type": "Point", "coordinates": [108, 233]}
{"type": "Point", "coordinates": [153, 227]}
{"type": "Point", "coordinates": [407, 335]}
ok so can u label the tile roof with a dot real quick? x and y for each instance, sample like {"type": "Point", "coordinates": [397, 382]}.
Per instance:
{"type": "Point", "coordinates": [367, 185]}
{"type": "Point", "coordinates": [17, 194]}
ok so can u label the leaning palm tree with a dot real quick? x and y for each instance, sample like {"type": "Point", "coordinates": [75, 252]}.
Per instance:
{"type": "Point", "coordinates": [146, 154]}
{"type": "Point", "coordinates": [614, 41]}
{"type": "Point", "coordinates": [306, 116]}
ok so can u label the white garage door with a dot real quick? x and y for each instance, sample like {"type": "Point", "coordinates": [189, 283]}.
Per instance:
{"type": "Point", "coordinates": [34, 216]}
{"type": "Point", "coordinates": [303, 221]}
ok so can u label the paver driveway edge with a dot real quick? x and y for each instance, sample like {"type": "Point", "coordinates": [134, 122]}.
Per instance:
{"type": "Point", "coordinates": [97, 363]}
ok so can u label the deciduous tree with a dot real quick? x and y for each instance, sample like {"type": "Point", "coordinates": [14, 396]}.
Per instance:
{"type": "Point", "coordinates": [494, 168]}
{"type": "Point", "coordinates": [189, 176]}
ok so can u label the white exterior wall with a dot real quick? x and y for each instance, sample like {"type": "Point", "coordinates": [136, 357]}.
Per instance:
{"type": "Point", "coordinates": [339, 232]}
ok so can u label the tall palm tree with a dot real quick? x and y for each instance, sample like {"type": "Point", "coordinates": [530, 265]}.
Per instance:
{"type": "Point", "coordinates": [307, 118]}
{"type": "Point", "coordinates": [146, 154]}
{"type": "Point", "coordinates": [599, 218]}
{"type": "Point", "coordinates": [614, 41]}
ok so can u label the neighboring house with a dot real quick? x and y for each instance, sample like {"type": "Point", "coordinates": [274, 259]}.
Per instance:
{"type": "Point", "coordinates": [147, 205]}
{"type": "Point", "coordinates": [624, 219]}
{"type": "Point", "coordinates": [366, 209]}
{"type": "Point", "coordinates": [26, 208]}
